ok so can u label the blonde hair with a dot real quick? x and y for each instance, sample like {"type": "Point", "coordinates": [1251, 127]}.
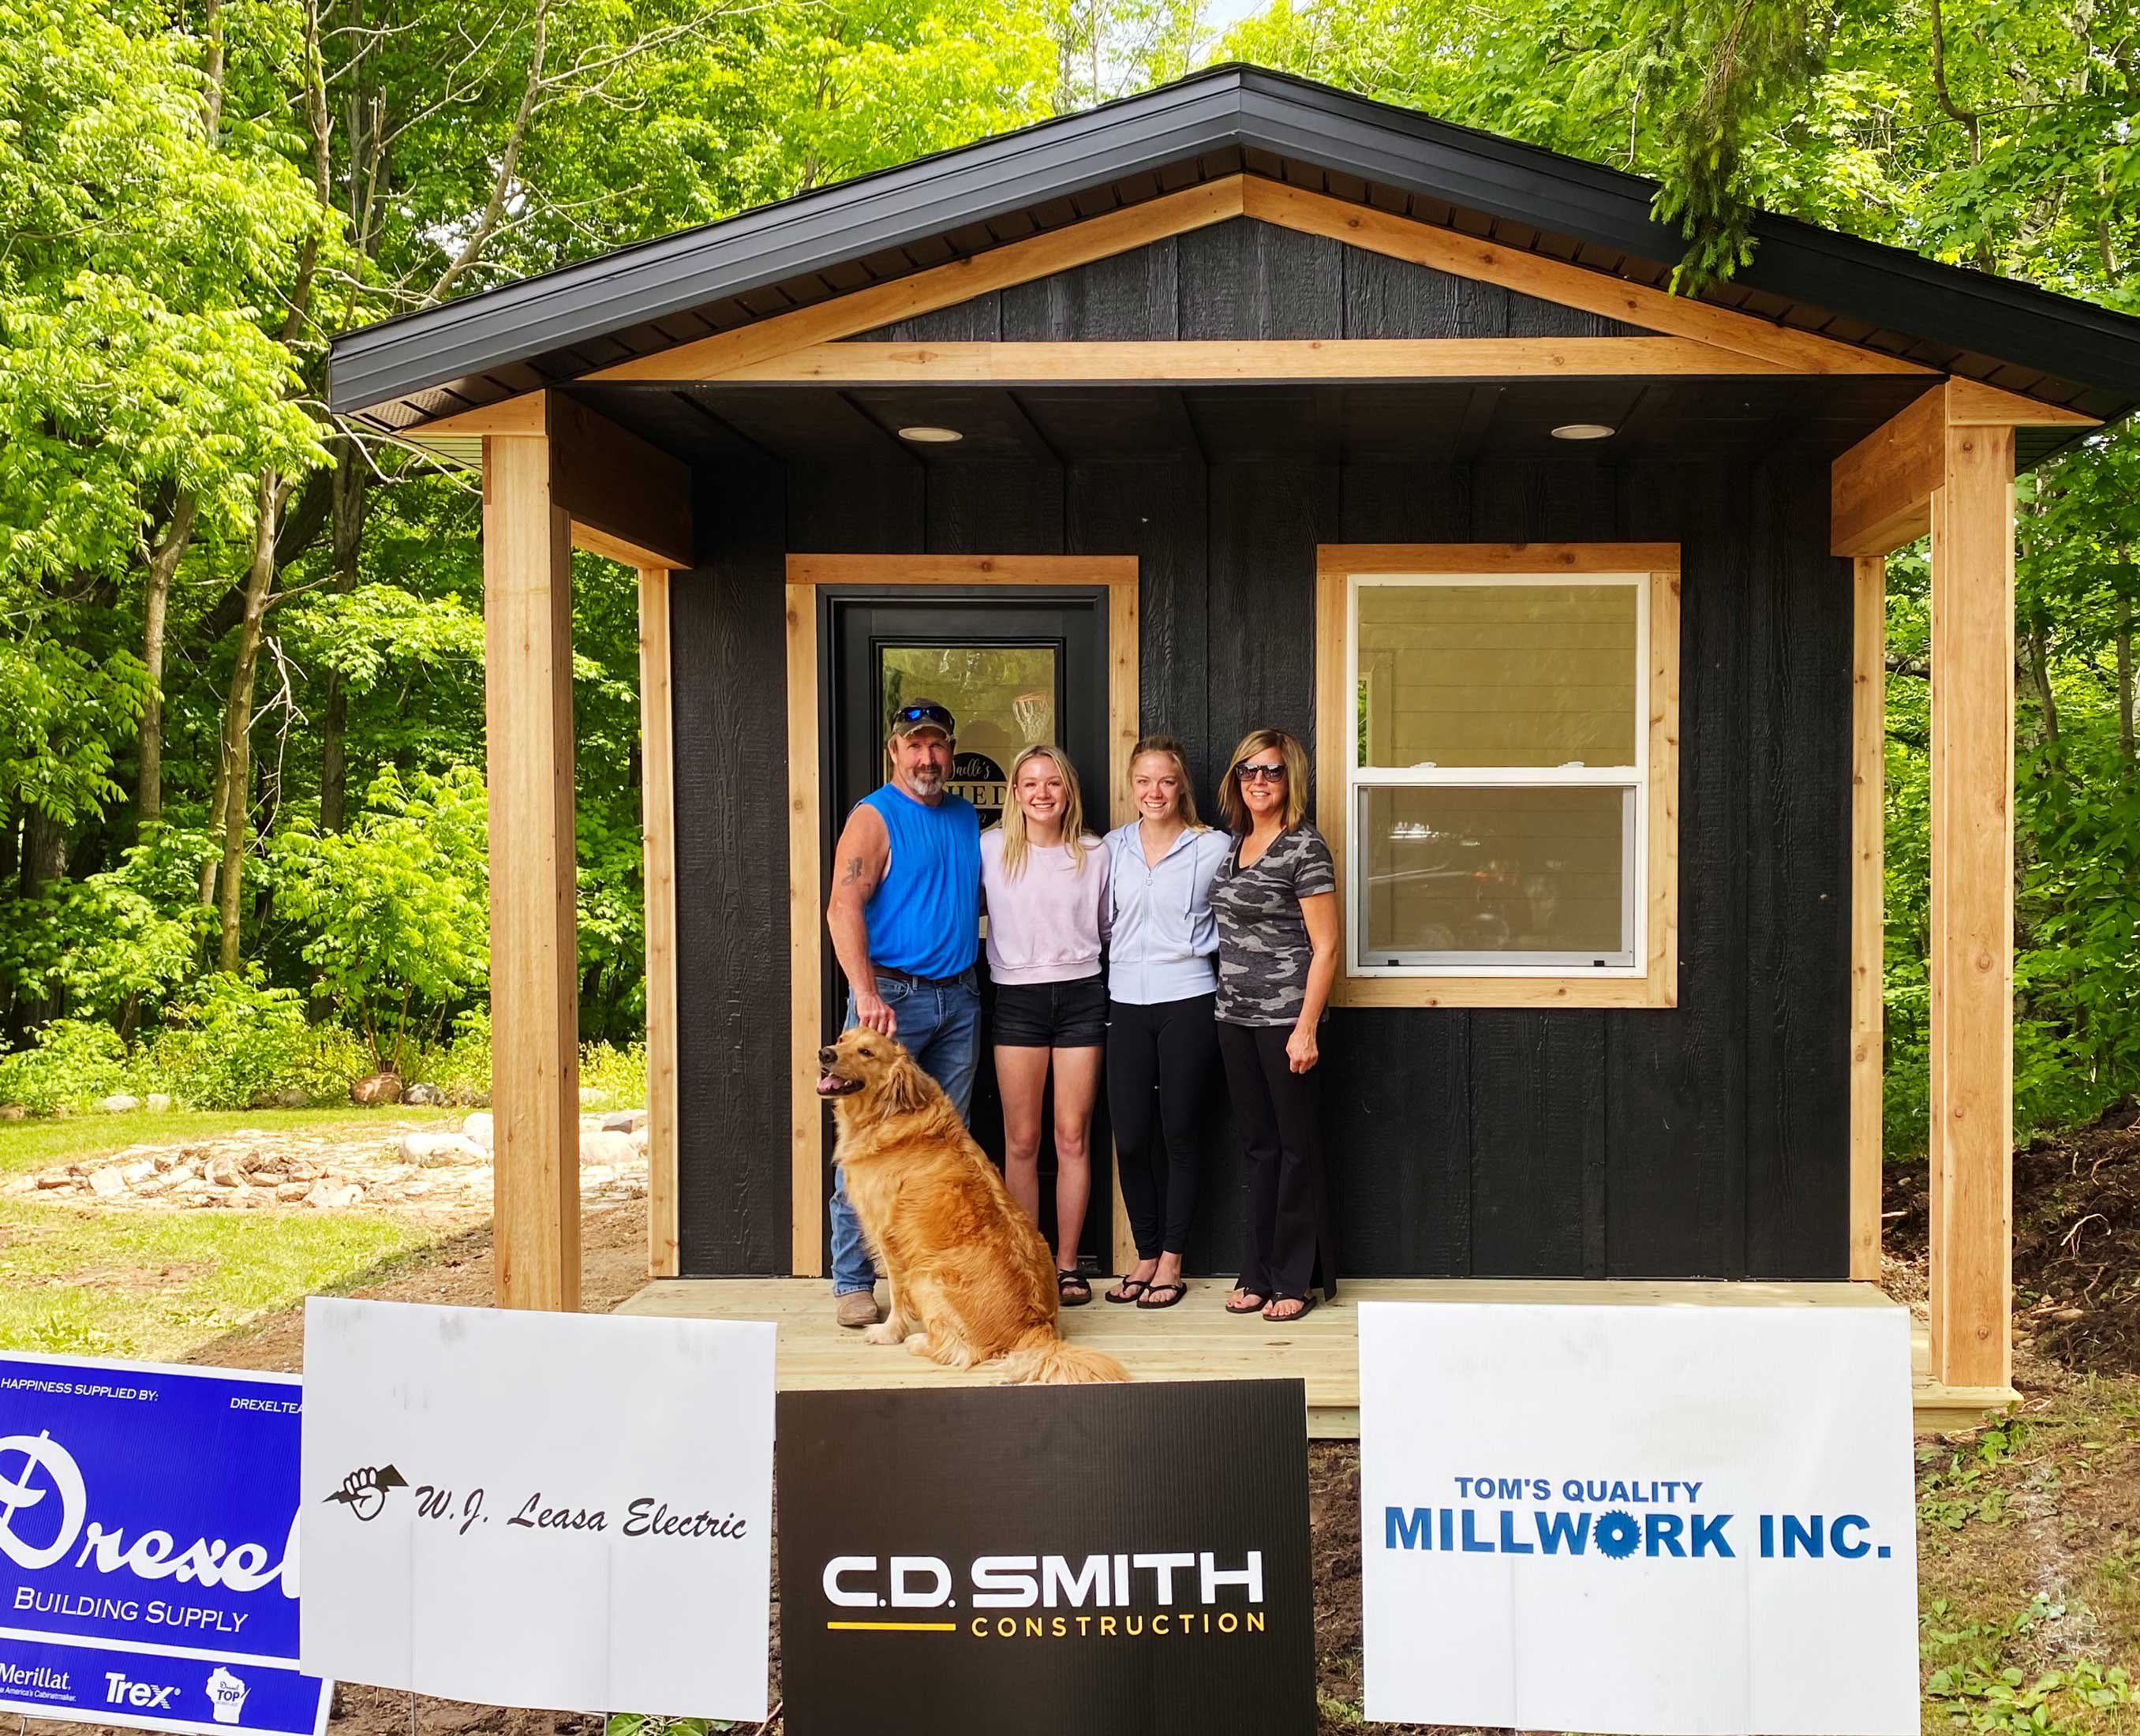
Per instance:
{"type": "Point", "coordinates": [1184, 796]}
{"type": "Point", "coordinates": [1012, 823]}
{"type": "Point", "coordinates": [1236, 810]}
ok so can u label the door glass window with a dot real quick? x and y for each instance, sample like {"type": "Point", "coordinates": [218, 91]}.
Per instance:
{"type": "Point", "coordinates": [1003, 696]}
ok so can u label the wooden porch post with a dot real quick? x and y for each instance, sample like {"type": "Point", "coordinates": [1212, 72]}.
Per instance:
{"type": "Point", "coordinates": [534, 962]}
{"type": "Point", "coordinates": [1972, 907]}
{"type": "Point", "coordinates": [1868, 918]}
{"type": "Point", "coordinates": [658, 825]}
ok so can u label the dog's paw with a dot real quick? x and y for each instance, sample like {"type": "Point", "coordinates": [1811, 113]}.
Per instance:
{"type": "Point", "coordinates": [919, 1344]}
{"type": "Point", "coordinates": [884, 1332]}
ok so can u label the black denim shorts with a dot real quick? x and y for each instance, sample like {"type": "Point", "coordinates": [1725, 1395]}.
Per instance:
{"type": "Point", "coordinates": [1051, 1015]}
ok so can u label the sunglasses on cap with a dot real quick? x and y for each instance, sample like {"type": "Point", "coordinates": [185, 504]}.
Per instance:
{"type": "Point", "coordinates": [907, 717]}
{"type": "Point", "coordinates": [1249, 772]}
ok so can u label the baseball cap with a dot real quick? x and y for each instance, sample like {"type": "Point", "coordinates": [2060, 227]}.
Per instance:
{"type": "Point", "coordinates": [916, 715]}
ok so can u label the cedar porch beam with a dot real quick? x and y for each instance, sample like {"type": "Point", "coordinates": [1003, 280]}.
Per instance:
{"type": "Point", "coordinates": [1880, 490]}
{"type": "Point", "coordinates": [1246, 362]}
{"type": "Point", "coordinates": [534, 973]}
{"type": "Point", "coordinates": [629, 501]}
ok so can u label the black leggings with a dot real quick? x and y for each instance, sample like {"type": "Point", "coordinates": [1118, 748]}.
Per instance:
{"type": "Point", "coordinates": [1159, 1070]}
{"type": "Point", "coordinates": [1275, 1112]}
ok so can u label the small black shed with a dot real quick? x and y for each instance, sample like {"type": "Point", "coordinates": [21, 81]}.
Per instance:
{"type": "Point", "coordinates": [1242, 402]}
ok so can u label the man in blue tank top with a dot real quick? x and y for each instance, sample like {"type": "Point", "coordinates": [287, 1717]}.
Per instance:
{"type": "Point", "coordinates": [905, 917]}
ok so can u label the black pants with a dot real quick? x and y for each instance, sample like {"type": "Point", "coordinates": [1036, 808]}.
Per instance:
{"type": "Point", "coordinates": [1277, 1113]}
{"type": "Point", "coordinates": [1158, 1071]}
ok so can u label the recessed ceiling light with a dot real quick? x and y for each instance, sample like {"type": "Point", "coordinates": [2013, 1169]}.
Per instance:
{"type": "Point", "coordinates": [1582, 431]}
{"type": "Point", "coordinates": [924, 436]}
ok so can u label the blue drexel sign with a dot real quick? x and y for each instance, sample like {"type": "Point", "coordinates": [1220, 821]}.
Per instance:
{"type": "Point", "coordinates": [148, 1548]}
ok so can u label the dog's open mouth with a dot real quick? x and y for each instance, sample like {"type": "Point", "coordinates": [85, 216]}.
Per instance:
{"type": "Point", "coordinates": [832, 1085]}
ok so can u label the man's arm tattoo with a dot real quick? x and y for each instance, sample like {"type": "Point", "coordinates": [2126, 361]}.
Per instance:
{"type": "Point", "coordinates": [852, 874]}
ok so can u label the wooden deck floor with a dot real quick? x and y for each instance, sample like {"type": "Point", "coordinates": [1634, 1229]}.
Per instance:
{"type": "Point", "coordinates": [1199, 1340]}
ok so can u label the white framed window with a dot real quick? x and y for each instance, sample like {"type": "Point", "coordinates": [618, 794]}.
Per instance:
{"type": "Point", "coordinates": [1497, 760]}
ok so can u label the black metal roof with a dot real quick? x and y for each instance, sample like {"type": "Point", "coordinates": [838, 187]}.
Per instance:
{"type": "Point", "coordinates": [1225, 121]}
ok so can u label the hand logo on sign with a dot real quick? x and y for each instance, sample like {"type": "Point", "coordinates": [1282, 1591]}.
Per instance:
{"type": "Point", "coordinates": [364, 1490]}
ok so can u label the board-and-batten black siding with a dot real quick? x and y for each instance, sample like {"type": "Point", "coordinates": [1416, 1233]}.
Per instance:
{"type": "Point", "coordinates": [1708, 1141]}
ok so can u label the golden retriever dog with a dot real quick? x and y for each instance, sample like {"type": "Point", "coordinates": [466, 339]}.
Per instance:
{"type": "Point", "coordinates": [971, 1280]}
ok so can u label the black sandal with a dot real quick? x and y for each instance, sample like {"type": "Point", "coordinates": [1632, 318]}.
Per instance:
{"type": "Point", "coordinates": [1257, 1308]}
{"type": "Point", "coordinates": [1127, 1290]}
{"type": "Point", "coordinates": [1067, 1283]}
{"type": "Point", "coordinates": [1173, 1292]}
{"type": "Point", "coordinates": [1307, 1307]}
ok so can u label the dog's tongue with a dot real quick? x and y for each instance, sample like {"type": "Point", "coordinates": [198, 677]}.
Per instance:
{"type": "Point", "coordinates": [827, 1085]}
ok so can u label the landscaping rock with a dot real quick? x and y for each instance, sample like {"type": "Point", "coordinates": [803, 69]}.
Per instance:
{"type": "Point", "coordinates": [639, 1137]}
{"type": "Point", "coordinates": [158, 1102]}
{"type": "Point", "coordinates": [226, 1172]}
{"type": "Point", "coordinates": [289, 1192]}
{"type": "Point", "coordinates": [118, 1103]}
{"type": "Point", "coordinates": [477, 1127]}
{"type": "Point", "coordinates": [592, 1097]}
{"type": "Point", "coordinates": [328, 1196]}
{"type": "Point", "coordinates": [378, 1088]}
{"type": "Point", "coordinates": [624, 1121]}
{"type": "Point", "coordinates": [611, 1149]}
{"type": "Point", "coordinates": [12, 1112]}
{"type": "Point", "coordinates": [133, 1175]}
{"type": "Point", "coordinates": [106, 1182]}
{"type": "Point", "coordinates": [439, 1150]}
{"type": "Point", "coordinates": [466, 1096]}
{"type": "Point", "coordinates": [427, 1096]}
{"type": "Point", "coordinates": [291, 1096]}
{"type": "Point", "coordinates": [59, 1178]}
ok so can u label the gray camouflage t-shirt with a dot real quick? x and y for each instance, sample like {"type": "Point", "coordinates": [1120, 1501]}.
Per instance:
{"type": "Point", "coordinates": [1264, 950]}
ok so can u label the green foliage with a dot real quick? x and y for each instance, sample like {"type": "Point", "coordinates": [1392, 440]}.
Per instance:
{"type": "Point", "coordinates": [1979, 1694]}
{"type": "Point", "coordinates": [74, 1062]}
{"type": "Point", "coordinates": [398, 905]}
{"type": "Point", "coordinates": [235, 1042]}
{"type": "Point", "coordinates": [622, 1072]}
{"type": "Point", "coordinates": [647, 1724]}
{"type": "Point", "coordinates": [460, 1067]}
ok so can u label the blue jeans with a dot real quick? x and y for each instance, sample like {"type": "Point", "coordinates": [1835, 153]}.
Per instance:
{"type": "Point", "coordinates": [941, 1027]}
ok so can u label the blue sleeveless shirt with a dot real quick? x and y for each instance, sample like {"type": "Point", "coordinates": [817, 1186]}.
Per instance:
{"type": "Point", "coordinates": [925, 917]}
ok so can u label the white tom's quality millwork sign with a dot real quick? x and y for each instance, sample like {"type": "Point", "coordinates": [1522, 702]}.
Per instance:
{"type": "Point", "coordinates": [1657, 1520]}
{"type": "Point", "coordinates": [535, 1509]}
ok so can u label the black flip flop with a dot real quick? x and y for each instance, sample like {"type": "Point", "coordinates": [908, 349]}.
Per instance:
{"type": "Point", "coordinates": [1131, 1287]}
{"type": "Point", "coordinates": [1307, 1307]}
{"type": "Point", "coordinates": [1064, 1281]}
{"type": "Point", "coordinates": [1178, 1291]}
{"type": "Point", "coordinates": [1243, 1313]}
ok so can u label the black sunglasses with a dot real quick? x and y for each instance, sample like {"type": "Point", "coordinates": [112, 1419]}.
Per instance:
{"type": "Point", "coordinates": [1249, 774]}
{"type": "Point", "coordinates": [922, 715]}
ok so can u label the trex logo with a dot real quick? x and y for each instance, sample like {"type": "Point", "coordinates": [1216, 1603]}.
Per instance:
{"type": "Point", "coordinates": [119, 1691]}
{"type": "Point", "coordinates": [364, 1490]}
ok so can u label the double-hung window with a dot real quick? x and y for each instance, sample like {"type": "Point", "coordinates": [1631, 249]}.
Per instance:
{"type": "Point", "coordinates": [1498, 728]}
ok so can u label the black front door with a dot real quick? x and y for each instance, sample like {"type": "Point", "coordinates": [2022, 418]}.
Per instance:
{"type": "Point", "coordinates": [1015, 666]}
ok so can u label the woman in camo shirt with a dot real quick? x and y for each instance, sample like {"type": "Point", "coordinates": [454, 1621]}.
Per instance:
{"type": "Point", "coordinates": [1275, 897]}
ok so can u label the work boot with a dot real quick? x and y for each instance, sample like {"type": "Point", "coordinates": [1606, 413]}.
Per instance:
{"type": "Point", "coordinates": [856, 1308]}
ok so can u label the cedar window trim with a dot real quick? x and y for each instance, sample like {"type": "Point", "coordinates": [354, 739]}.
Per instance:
{"type": "Point", "coordinates": [1338, 565]}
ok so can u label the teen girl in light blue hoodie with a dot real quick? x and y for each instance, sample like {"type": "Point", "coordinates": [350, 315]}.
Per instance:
{"type": "Point", "coordinates": [1162, 982]}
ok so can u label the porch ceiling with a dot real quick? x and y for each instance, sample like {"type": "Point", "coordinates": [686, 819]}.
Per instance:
{"type": "Point", "coordinates": [1438, 422]}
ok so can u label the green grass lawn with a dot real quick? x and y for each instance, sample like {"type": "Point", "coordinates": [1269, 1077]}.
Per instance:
{"type": "Point", "coordinates": [151, 1284]}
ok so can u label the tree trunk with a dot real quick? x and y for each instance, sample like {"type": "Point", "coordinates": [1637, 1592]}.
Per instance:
{"type": "Point", "coordinates": [2039, 678]}
{"type": "Point", "coordinates": [163, 564]}
{"type": "Point", "coordinates": [2125, 685]}
{"type": "Point", "coordinates": [238, 713]}
{"type": "Point", "coordinates": [351, 477]}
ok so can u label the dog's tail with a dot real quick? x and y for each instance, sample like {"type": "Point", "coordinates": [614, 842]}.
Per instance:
{"type": "Point", "coordinates": [1041, 1356]}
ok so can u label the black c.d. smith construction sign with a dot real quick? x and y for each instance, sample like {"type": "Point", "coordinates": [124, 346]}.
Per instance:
{"type": "Point", "coordinates": [1031, 1560]}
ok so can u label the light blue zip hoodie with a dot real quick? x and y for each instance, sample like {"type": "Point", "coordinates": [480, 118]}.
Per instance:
{"type": "Point", "coordinates": [1162, 940]}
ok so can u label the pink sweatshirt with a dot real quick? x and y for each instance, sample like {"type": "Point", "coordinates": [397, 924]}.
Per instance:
{"type": "Point", "coordinates": [1044, 926]}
